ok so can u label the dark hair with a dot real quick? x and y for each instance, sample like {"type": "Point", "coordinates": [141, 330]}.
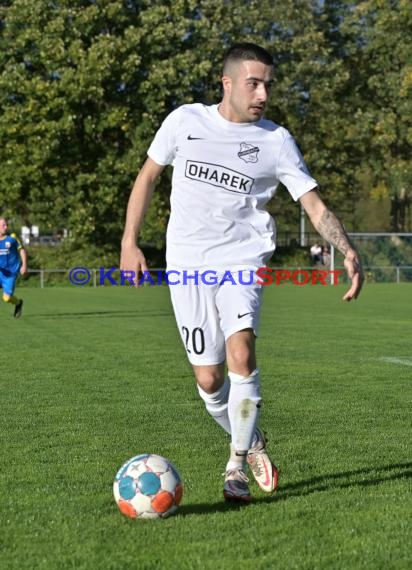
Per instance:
{"type": "Point", "coordinates": [245, 52]}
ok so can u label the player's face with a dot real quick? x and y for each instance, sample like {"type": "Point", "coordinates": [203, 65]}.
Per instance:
{"type": "Point", "coordinates": [3, 227]}
{"type": "Point", "coordinates": [247, 90]}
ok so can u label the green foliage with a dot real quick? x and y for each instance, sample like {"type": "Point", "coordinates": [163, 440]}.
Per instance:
{"type": "Point", "coordinates": [291, 256]}
{"type": "Point", "coordinates": [385, 251]}
{"type": "Point", "coordinates": [65, 256]}
{"type": "Point", "coordinates": [84, 85]}
{"type": "Point", "coordinates": [381, 102]}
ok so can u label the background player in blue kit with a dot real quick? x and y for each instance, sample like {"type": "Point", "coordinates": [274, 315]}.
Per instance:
{"type": "Point", "coordinates": [13, 262]}
{"type": "Point", "coordinates": [227, 162]}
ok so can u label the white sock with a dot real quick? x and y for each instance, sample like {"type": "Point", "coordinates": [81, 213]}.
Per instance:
{"type": "Point", "coordinates": [236, 461]}
{"type": "Point", "coordinates": [216, 404]}
{"type": "Point", "coordinates": [243, 409]}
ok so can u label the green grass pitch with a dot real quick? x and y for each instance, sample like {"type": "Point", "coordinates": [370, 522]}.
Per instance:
{"type": "Point", "coordinates": [91, 377]}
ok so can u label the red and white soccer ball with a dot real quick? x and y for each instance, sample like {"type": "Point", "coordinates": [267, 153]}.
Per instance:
{"type": "Point", "coordinates": [147, 487]}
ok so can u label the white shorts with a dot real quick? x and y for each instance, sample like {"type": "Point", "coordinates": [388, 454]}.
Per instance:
{"type": "Point", "coordinates": [207, 315]}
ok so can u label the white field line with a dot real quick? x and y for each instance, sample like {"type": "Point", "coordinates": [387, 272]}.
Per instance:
{"type": "Point", "coordinates": [405, 360]}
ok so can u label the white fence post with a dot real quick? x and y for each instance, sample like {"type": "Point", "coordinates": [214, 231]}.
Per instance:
{"type": "Point", "coordinates": [332, 263]}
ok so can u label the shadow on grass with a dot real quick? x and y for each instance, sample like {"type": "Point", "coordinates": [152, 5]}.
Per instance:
{"type": "Point", "coordinates": [90, 314]}
{"type": "Point", "coordinates": [363, 477]}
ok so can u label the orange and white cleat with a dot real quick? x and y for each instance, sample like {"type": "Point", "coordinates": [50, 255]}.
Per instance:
{"type": "Point", "coordinates": [264, 470]}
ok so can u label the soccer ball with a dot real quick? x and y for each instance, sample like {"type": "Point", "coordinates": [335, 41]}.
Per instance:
{"type": "Point", "coordinates": [147, 487]}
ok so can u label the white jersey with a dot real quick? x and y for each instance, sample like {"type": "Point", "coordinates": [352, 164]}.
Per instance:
{"type": "Point", "coordinates": [224, 174]}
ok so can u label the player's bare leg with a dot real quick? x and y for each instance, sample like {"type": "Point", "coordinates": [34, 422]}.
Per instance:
{"type": "Point", "coordinates": [242, 413]}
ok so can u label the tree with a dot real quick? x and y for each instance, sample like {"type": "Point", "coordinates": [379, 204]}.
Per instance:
{"type": "Point", "coordinates": [85, 84]}
{"type": "Point", "coordinates": [378, 40]}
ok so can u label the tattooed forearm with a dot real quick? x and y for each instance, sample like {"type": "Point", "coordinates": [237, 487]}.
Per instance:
{"type": "Point", "coordinates": [332, 231]}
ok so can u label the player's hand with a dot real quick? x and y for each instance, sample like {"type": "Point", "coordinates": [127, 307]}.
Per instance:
{"type": "Point", "coordinates": [354, 270]}
{"type": "Point", "coordinates": [132, 260]}
{"type": "Point", "coordinates": [23, 270]}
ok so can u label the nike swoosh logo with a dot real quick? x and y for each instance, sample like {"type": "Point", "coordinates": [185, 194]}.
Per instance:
{"type": "Point", "coordinates": [190, 138]}
{"type": "Point", "coordinates": [267, 481]}
{"type": "Point", "coordinates": [239, 316]}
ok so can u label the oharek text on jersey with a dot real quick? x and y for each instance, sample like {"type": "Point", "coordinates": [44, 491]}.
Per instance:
{"type": "Point", "coordinates": [219, 176]}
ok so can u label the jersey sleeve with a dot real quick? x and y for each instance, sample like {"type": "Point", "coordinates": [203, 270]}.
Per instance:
{"type": "Point", "coordinates": [292, 169]}
{"type": "Point", "coordinates": [18, 242]}
{"type": "Point", "coordinates": [164, 147]}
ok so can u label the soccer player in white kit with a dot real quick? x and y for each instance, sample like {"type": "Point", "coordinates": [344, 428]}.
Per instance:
{"type": "Point", "coordinates": [227, 163]}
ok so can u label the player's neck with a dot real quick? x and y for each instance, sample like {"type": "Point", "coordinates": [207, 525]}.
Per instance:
{"type": "Point", "coordinates": [226, 111]}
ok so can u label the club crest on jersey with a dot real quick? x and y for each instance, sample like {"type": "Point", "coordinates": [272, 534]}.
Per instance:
{"type": "Point", "coordinates": [248, 152]}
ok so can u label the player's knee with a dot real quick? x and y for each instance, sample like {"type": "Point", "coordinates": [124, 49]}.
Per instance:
{"type": "Point", "coordinates": [6, 297]}
{"type": "Point", "coordinates": [242, 360]}
{"type": "Point", "coordinates": [240, 349]}
{"type": "Point", "coordinates": [209, 380]}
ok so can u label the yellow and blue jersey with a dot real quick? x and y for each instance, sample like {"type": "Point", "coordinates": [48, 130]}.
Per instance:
{"type": "Point", "coordinates": [10, 261]}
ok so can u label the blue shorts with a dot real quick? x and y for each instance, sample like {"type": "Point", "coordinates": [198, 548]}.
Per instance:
{"type": "Point", "coordinates": [8, 281]}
